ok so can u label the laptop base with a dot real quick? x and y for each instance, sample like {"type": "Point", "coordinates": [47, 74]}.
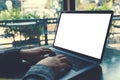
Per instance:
{"type": "Point", "coordinates": [91, 73]}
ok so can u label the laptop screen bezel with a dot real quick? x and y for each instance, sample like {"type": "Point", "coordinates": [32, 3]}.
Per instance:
{"type": "Point", "coordinates": [107, 33]}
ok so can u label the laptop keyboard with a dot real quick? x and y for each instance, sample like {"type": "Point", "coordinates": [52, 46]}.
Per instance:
{"type": "Point", "coordinates": [76, 62]}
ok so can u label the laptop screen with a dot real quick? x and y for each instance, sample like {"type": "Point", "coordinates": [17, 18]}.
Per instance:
{"type": "Point", "coordinates": [84, 33]}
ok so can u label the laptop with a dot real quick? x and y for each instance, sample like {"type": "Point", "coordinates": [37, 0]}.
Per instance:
{"type": "Point", "coordinates": [81, 36]}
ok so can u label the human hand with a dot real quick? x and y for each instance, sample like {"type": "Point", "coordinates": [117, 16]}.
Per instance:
{"type": "Point", "coordinates": [56, 63]}
{"type": "Point", "coordinates": [34, 55]}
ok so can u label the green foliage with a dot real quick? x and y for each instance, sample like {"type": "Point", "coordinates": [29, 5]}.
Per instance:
{"type": "Point", "coordinates": [26, 31]}
{"type": "Point", "coordinates": [32, 31]}
{"type": "Point", "coordinates": [102, 7]}
{"type": "Point", "coordinates": [106, 5]}
{"type": "Point", "coordinates": [30, 16]}
{"type": "Point", "coordinates": [15, 13]}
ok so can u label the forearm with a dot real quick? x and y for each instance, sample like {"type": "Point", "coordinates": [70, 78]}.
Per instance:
{"type": "Point", "coordinates": [39, 72]}
{"type": "Point", "coordinates": [10, 55]}
{"type": "Point", "coordinates": [10, 60]}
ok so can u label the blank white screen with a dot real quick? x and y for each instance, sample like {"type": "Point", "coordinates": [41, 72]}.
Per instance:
{"type": "Point", "coordinates": [83, 33]}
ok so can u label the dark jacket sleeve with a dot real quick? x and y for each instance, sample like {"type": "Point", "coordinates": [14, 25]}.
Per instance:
{"type": "Point", "coordinates": [9, 55]}
{"type": "Point", "coordinates": [39, 72]}
{"type": "Point", "coordinates": [9, 59]}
